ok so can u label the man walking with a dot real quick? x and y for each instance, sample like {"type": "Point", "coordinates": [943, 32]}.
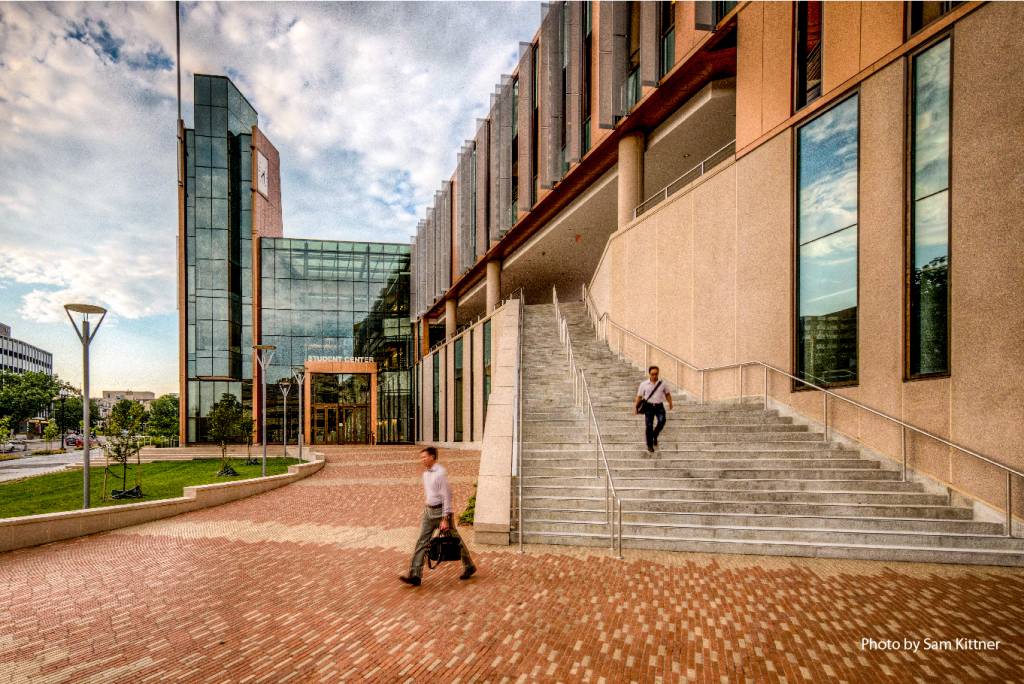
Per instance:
{"type": "Point", "coordinates": [438, 513]}
{"type": "Point", "coordinates": [650, 400]}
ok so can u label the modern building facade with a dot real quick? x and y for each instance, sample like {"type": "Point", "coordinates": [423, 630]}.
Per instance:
{"type": "Point", "coordinates": [829, 188]}
{"type": "Point", "coordinates": [337, 312]}
{"type": "Point", "coordinates": [21, 357]}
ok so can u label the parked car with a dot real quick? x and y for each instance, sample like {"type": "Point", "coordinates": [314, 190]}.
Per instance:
{"type": "Point", "coordinates": [73, 441]}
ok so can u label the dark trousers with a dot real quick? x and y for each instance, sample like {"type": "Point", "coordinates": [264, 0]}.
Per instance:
{"type": "Point", "coordinates": [431, 521]}
{"type": "Point", "coordinates": [654, 419]}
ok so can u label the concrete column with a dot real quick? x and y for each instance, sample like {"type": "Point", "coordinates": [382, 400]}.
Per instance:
{"type": "Point", "coordinates": [449, 318]}
{"type": "Point", "coordinates": [493, 284]}
{"type": "Point", "coordinates": [631, 176]}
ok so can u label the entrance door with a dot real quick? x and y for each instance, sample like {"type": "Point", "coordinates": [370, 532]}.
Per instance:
{"type": "Point", "coordinates": [353, 425]}
{"type": "Point", "coordinates": [325, 425]}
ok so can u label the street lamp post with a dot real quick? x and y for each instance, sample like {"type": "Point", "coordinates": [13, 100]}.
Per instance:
{"type": "Point", "coordinates": [299, 374]}
{"type": "Point", "coordinates": [285, 386]}
{"type": "Point", "coordinates": [86, 336]}
{"type": "Point", "coordinates": [264, 355]}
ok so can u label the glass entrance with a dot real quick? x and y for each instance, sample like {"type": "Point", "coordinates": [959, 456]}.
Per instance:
{"type": "Point", "coordinates": [341, 411]}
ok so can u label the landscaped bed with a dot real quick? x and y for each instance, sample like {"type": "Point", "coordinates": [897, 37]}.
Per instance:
{"type": "Point", "coordinates": [160, 480]}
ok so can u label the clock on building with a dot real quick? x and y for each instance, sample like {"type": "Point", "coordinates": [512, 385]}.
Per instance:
{"type": "Point", "coordinates": [262, 184]}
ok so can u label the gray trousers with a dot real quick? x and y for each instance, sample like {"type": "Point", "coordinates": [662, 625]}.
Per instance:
{"type": "Point", "coordinates": [431, 521]}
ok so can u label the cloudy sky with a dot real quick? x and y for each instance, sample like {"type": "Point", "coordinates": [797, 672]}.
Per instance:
{"type": "Point", "coordinates": [368, 104]}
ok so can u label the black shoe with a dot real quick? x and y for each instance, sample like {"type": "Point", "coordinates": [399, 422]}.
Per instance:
{"type": "Point", "coordinates": [468, 572]}
{"type": "Point", "coordinates": [410, 579]}
{"type": "Point", "coordinates": [650, 449]}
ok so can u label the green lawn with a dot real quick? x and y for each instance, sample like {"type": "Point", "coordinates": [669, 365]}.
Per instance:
{"type": "Point", "coordinates": [160, 480]}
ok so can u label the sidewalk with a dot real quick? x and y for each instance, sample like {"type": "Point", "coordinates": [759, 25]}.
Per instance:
{"type": "Point", "coordinates": [300, 584]}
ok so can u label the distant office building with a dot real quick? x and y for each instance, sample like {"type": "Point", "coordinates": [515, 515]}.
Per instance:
{"type": "Point", "coordinates": [20, 357]}
{"type": "Point", "coordinates": [337, 312]}
{"type": "Point", "coordinates": [111, 397]}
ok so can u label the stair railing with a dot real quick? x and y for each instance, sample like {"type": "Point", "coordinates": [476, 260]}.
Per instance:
{"type": "Point", "coordinates": [582, 400]}
{"type": "Point", "coordinates": [602, 322]}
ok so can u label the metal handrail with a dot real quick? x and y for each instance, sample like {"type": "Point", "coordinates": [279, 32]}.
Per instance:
{"type": "Point", "coordinates": [604, 319]}
{"type": "Point", "coordinates": [581, 400]}
{"type": "Point", "coordinates": [664, 193]}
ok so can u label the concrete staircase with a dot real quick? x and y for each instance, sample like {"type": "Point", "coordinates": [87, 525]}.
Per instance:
{"type": "Point", "coordinates": [726, 479]}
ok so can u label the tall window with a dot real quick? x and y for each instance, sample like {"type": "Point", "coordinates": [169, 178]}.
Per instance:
{"type": "Point", "coordinates": [667, 26]}
{"type": "Point", "coordinates": [470, 384]}
{"type": "Point", "coordinates": [534, 127]}
{"type": "Point", "coordinates": [808, 52]}
{"type": "Point", "coordinates": [487, 365]}
{"type": "Point", "coordinates": [563, 133]}
{"type": "Point", "coordinates": [929, 212]}
{"type": "Point", "coordinates": [827, 238]}
{"type": "Point", "coordinates": [458, 390]}
{"type": "Point", "coordinates": [920, 14]}
{"type": "Point", "coordinates": [515, 149]}
{"type": "Point", "coordinates": [437, 396]}
{"type": "Point", "coordinates": [588, 48]}
{"type": "Point", "coordinates": [631, 88]}
{"type": "Point", "coordinates": [472, 211]}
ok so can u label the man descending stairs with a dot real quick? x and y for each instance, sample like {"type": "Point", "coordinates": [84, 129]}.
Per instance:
{"type": "Point", "coordinates": [727, 478]}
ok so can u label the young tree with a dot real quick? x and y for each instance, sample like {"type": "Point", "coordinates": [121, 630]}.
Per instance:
{"type": "Point", "coordinates": [247, 426]}
{"type": "Point", "coordinates": [224, 424]}
{"type": "Point", "coordinates": [163, 416]}
{"type": "Point", "coordinates": [123, 429]}
{"type": "Point", "coordinates": [5, 430]}
{"type": "Point", "coordinates": [50, 433]}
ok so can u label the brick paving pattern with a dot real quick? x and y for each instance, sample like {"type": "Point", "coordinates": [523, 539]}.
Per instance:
{"type": "Point", "coordinates": [300, 584]}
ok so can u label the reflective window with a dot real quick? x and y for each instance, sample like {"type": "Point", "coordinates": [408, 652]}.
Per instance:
{"type": "Point", "coordinates": [487, 365]}
{"type": "Point", "coordinates": [807, 62]}
{"type": "Point", "coordinates": [458, 387]}
{"type": "Point", "coordinates": [827, 238]}
{"type": "Point", "coordinates": [929, 212]}
{"type": "Point", "coordinates": [923, 12]}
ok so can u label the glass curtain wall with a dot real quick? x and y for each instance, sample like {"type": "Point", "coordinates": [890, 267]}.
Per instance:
{"type": "Point", "coordinates": [929, 212]}
{"type": "Point", "coordinates": [337, 300]}
{"type": "Point", "coordinates": [827, 159]}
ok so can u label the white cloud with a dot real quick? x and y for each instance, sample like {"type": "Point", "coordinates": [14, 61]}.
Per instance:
{"type": "Point", "coordinates": [367, 102]}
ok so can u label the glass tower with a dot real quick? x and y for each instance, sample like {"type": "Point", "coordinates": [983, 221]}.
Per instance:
{"type": "Point", "coordinates": [218, 249]}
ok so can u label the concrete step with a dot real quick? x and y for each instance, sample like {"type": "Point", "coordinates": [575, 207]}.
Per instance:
{"type": "Point", "coordinates": [797, 496]}
{"type": "Point", "coordinates": [818, 536]}
{"type": "Point", "coordinates": [681, 467]}
{"type": "Point", "coordinates": [762, 474]}
{"type": "Point", "coordinates": [709, 484]}
{"type": "Point", "coordinates": [633, 501]}
{"type": "Point", "coordinates": [770, 547]}
{"type": "Point", "coordinates": [599, 515]}
{"type": "Point", "coordinates": [665, 450]}
{"type": "Point", "coordinates": [641, 458]}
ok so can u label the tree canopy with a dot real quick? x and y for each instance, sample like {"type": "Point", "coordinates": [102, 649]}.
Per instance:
{"type": "Point", "coordinates": [163, 416]}
{"type": "Point", "coordinates": [23, 395]}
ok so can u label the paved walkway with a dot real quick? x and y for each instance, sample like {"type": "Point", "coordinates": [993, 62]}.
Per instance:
{"type": "Point", "coordinates": [300, 584]}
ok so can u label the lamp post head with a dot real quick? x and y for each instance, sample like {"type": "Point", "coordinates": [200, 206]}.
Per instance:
{"type": "Point", "coordinates": [85, 308]}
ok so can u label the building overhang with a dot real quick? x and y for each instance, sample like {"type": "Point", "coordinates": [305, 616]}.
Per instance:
{"type": "Point", "coordinates": [712, 59]}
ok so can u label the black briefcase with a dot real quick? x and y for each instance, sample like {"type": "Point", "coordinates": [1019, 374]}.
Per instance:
{"type": "Point", "coordinates": [444, 547]}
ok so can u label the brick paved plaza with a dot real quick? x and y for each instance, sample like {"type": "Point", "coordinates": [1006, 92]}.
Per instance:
{"type": "Point", "coordinates": [300, 584]}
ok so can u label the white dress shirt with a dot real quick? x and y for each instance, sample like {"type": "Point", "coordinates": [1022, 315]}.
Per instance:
{"type": "Point", "coordinates": [436, 488]}
{"type": "Point", "coordinates": [658, 397]}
